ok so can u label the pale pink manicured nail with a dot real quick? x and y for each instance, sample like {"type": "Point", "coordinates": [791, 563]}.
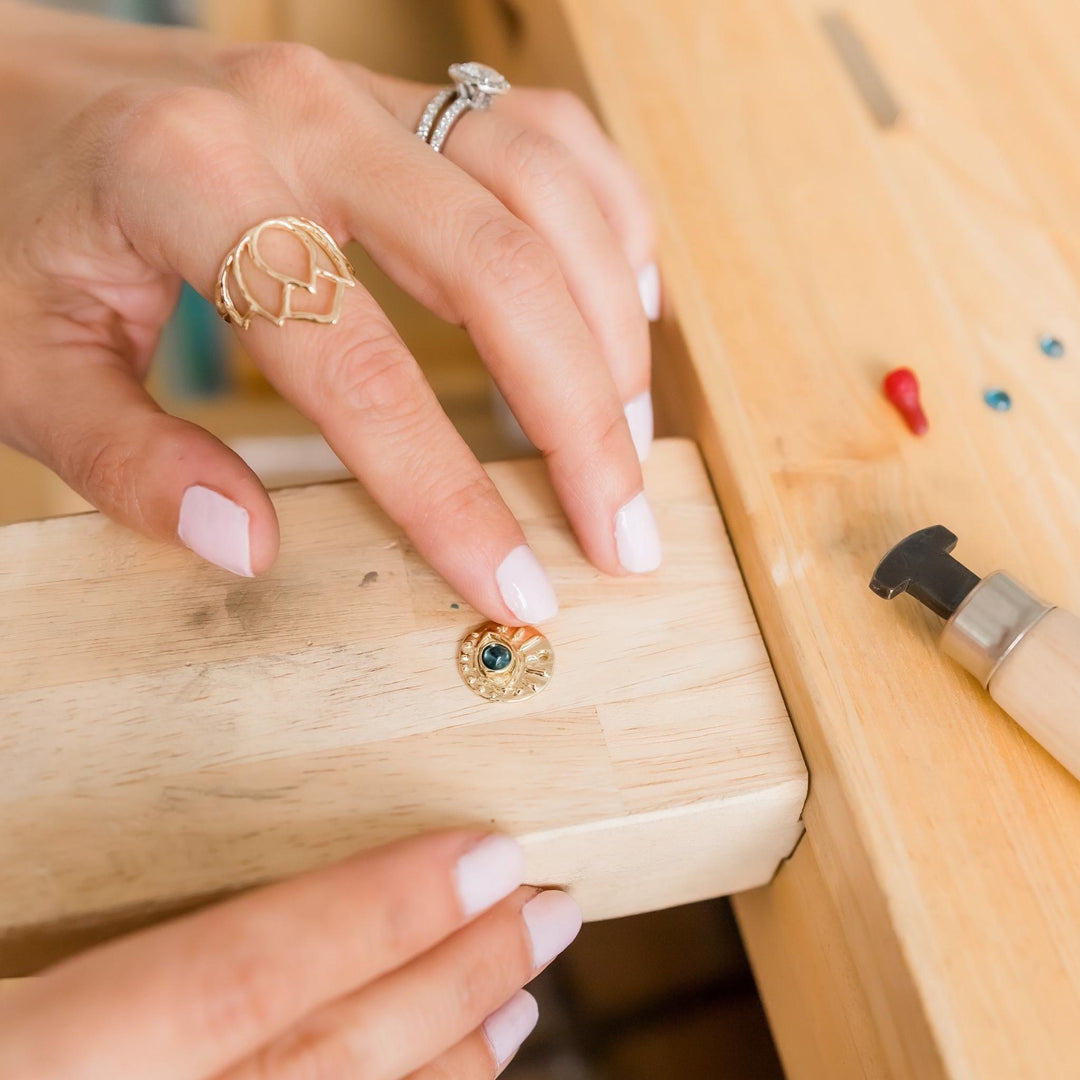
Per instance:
{"type": "Point", "coordinates": [637, 540]}
{"type": "Point", "coordinates": [525, 587]}
{"type": "Point", "coordinates": [486, 873]}
{"type": "Point", "coordinates": [216, 528]}
{"type": "Point", "coordinates": [509, 1026]}
{"type": "Point", "coordinates": [639, 415]}
{"type": "Point", "coordinates": [553, 919]}
{"type": "Point", "coordinates": [648, 286]}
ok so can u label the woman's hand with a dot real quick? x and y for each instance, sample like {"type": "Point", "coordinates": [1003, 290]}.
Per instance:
{"type": "Point", "coordinates": [137, 157]}
{"type": "Point", "coordinates": [404, 962]}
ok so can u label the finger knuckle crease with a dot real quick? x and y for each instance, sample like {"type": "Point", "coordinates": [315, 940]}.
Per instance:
{"type": "Point", "coordinates": [513, 259]}
{"type": "Point", "coordinates": [314, 1052]}
{"type": "Point", "coordinates": [373, 378]}
{"type": "Point", "coordinates": [539, 159]}
{"type": "Point", "coordinates": [473, 500]}
{"type": "Point", "coordinates": [106, 474]}
{"type": "Point", "coordinates": [611, 431]}
{"type": "Point", "coordinates": [401, 930]}
{"type": "Point", "coordinates": [474, 987]}
{"type": "Point", "coordinates": [245, 996]}
{"type": "Point", "coordinates": [601, 431]}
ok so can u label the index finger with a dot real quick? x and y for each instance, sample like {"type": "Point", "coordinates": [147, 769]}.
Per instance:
{"type": "Point", "coordinates": [448, 240]}
{"type": "Point", "coordinates": [189, 998]}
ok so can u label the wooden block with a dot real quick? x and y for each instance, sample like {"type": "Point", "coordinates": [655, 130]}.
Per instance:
{"type": "Point", "coordinates": [171, 732]}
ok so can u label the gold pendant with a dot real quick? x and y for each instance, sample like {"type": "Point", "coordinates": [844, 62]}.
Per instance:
{"type": "Point", "coordinates": [505, 663]}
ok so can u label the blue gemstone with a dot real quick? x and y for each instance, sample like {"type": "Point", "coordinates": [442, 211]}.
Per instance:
{"type": "Point", "coordinates": [495, 657]}
{"type": "Point", "coordinates": [998, 399]}
{"type": "Point", "coordinates": [1051, 346]}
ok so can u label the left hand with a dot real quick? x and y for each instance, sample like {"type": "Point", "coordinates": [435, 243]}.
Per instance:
{"type": "Point", "coordinates": [138, 156]}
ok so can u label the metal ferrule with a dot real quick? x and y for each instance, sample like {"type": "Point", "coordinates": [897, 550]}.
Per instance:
{"type": "Point", "coordinates": [989, 624]}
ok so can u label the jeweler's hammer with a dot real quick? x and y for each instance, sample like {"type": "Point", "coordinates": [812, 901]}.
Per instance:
{"type": "Point", "coordinates": [1025, 652]}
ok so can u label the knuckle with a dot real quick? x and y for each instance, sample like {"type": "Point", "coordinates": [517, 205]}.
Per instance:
{"type": "Point", "coordinates": [601, 431]}
{"type": "Point", "coordinates": [277, 67]}
{"type": "Point", "coordinates": [475, 499]}
{"type": "Point", "coordinates": [182, 122]}
{"type": "Point", "coordinates": [539, 159]}
{"type": "Point", "coordinates": [373, 377]}
{"type": "Point", "coordinates": [315, 1052]}
{"type": "Point", "coordinates": [610, 433]}
{"type": "Point", "coordinates": [475, 987]}
{"type": "Point", "coordinates": [511, 258]}
{"type": "Point", "coordinates": [243, 995]}
{"type": "Point", "coordinates": [401, 928]}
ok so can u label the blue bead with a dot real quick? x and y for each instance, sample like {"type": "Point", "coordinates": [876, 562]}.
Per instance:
{"type": "Point", "coordinates": [998, 399]}
{"type": "Point", "coordinates": [1051, 346]}
{"type": "Point", "coordinates": [495, 657]}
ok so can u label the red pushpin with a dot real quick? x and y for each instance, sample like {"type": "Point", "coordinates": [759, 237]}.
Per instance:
{"type": "Point", "coordinates": [902, 389]}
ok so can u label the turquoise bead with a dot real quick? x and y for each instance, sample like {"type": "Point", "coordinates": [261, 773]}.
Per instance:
{"type": "Point", "coordinates": [495, 657]}
{"type": "Point", "coordinates": [998, 399]}
{"type": "Point", "coordinates": [1051, 346]}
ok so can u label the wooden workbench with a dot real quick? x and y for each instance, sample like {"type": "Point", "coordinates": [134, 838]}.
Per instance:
{"type": "Point", "coordinates": [171, 732]}
{"type": "Point", "coordinates": [928, 925]}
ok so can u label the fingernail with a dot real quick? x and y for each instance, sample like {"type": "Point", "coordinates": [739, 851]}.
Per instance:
{"type": "Point", "coordinates": [216, 528]}
{"type": "Point", "coordinates": [553, 920]}
{"type": "Point", "coordinates": [648, 285]}
{"type": "Point", "coordinates": [525, 587]}
{"type": "Point", "coordinates": [509, 1026]}
{"type": "Point", "coordinates": [486, 873]}
{"type": "Point", "coordinates": [639, 415]}
{"type": "Point", "coordinates": [636, 538]}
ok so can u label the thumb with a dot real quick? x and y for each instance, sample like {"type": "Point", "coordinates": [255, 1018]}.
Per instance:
{"type": "Point", "coordinates": [97, 427]}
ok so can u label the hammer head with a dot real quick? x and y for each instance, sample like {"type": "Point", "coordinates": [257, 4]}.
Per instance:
{"type": "Point", "coordinates": [921, 565]}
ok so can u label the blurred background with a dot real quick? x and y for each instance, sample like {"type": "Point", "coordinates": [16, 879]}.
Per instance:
{"type": "Point", "coordinates": [666, 995]}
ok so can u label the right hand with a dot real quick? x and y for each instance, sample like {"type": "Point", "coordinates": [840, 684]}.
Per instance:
{"type": "Point", "coordinates": [406, 961]}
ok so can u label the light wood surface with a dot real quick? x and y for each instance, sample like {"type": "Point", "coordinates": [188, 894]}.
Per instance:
{"type": "Point", "coordinates": [806, 249]}
{"type": "Point", "coordinates": [170, 731]}
{"type": "Point", "coordinates": [1038, 685]}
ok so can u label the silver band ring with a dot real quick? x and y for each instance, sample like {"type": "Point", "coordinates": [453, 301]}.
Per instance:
{"type": "Point", "coordinates": [475, 87]}
{"type": "Point", "coordinates": [449, 118]}
{"type": "Point", "coordinates": [434, 107]}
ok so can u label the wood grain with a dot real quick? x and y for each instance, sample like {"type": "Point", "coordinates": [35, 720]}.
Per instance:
{"type": "Point", "coordinates": [805, 251]}
{"type": "Point", "coordinates": [171, 732]}
{"type": "Point", "coordinates": [1038, 685]}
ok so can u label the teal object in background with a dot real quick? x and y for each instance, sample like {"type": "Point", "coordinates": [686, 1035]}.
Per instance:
{"type": "Point", "coordinates": [193, 353]}
{"type": "Point", "coordinates": [180, 12]}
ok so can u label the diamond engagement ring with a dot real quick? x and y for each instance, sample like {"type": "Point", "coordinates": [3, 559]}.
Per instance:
{"type": "Point", "coordinates": [475, 87]}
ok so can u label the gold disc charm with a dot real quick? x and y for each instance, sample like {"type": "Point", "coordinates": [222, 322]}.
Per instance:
{"type": "Point", "coordinates": [505, 663]}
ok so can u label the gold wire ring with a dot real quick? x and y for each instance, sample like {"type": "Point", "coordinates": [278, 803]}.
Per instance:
{"type": "Point", "coordinates": [505, 663]}
{"type": "Point", "coordinates": [325, 262]}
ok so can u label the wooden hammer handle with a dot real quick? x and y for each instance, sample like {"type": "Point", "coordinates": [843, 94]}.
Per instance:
{"type": "Point", "coordinates": [1038, 685]}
